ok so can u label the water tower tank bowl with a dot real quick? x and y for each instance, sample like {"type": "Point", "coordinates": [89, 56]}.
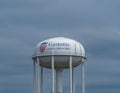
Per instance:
{"type": "Point", "coordinates": [61, 48]}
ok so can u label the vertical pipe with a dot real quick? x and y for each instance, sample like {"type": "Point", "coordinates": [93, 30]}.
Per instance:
{"type": "Point", "coordinates": [41, 80]}
{"type": "Point", "coordinates": [73, 80]}
{"type": "Point", "coordinates": [83, 77]}
{"type": "Point", "coordinates": [34, 77]}
{"type": "Point", "coordinates": [36, 86]}
{"type": "Point", "coordinates": [70, 66]}
{"type": "Point", "coordinates": [52, 74]}
{"type": "Point", "coordinates": [38, 76]}
{"type": "Point", "coordinates": [58, 80]}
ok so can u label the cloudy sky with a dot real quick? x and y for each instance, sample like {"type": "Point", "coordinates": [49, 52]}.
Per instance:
{"type": "Point", "coordinates": [95, 23]}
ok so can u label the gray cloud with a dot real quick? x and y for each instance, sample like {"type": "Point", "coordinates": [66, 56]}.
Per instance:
{"type": "Point", "coordinates": [72, 14]}
{"type": "Point", "coordinates": [24, 23]}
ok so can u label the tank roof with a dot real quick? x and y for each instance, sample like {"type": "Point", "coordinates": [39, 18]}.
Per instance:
{"type": "Point", "coordinates": [59, 46]}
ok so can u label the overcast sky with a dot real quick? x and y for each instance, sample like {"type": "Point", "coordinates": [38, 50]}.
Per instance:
{"type": "Point", "coordinates": [95, 23]}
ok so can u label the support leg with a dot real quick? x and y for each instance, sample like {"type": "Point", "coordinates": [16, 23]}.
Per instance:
{"type": "Point", "coordinates": [52, 74]}
{"type": "Point", "coordinates": [71, 73]}
{"type": "Point", "coordinates": [73, 81]}
{"type": "Point", "coordinates": [83, 77]}
{"type": "Point", "coordinates": [38, 75]}
{"type": "Point", "coordinates": [34, 77]}
{"type": "Point", "coordinates": [41, 80]}
{"type": "Point", "coordinates": [58, 80]}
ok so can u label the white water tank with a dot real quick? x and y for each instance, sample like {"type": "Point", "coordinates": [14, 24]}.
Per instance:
{"type": "Point", "coordinates": [61, 48]}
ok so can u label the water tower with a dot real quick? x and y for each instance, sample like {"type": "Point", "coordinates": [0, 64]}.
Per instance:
{"type": "Point", "coordinates": [57, 54]}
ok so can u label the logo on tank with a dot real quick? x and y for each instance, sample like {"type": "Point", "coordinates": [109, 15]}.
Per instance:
{"type": "Point", "coordinates": [43, 47]}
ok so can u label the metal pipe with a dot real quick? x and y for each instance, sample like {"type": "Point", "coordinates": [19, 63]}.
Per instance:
{"type": "Point", "coordinates": [34, 77]}
{"type": "Point", "coordinates": [83, 77]}
{"type": "Point", "coordinates": [41, 80]}
{"type": "Point", "coordinates": [58, 80]}
{"type": "Point", "coordinates": [38, 76]}
{"type": "Point", "coordinates": [71, 82]}
{"type": "Point", "coordinates": [52, 74]}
